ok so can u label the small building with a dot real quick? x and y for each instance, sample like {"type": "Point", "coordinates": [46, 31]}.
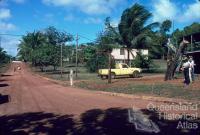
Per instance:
{"type": "Point", "coordinates": [194, 49]}
{"type": "Point", "coordinates": [121, 54]}
{"type": "Point", "coordinates": [196, 56]}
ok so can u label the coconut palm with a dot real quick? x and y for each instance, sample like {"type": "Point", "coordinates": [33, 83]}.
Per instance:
{"type": "Point", "coordinates": [133, 28]}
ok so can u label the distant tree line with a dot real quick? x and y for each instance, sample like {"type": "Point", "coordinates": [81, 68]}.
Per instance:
{"type": "Point", "coordinates": [4, 57]}
{"type": "Point", "coordinates": [42, 48]}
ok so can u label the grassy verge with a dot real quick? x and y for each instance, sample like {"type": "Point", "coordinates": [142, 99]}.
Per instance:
{"type": "Point", "coordinates": [162, 90]}
{"type": "Point", "coordinates": [83, 74]}
{"type": "Point", "coordinates": [141, 86]}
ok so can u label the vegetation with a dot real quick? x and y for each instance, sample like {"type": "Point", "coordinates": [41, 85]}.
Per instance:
{"type": "Point", "coordinates": [133, 29]}
{"type": "Point", "coordinates": [42, 48]}
{"type": "Point", "coordinates": [142, 61]}
{"type": "Point", "coordinates": [4, 57]}
{"type": "Point", "coordinates": [155, 89]}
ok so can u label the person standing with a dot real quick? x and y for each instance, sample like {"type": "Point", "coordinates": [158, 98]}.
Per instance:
{"type": "Point", "coordinates": [185, 69]}
{"type": "Point", "coordinates": [192, 64]}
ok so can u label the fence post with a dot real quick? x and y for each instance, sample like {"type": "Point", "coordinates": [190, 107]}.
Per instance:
{"type": "Point", "coordinates": [71, 77]}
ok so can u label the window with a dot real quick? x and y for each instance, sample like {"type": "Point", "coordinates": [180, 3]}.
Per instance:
{"type": "Point", "coordinates": [122, 51]}
{"type": "Point", "coordinates": [124, 66]}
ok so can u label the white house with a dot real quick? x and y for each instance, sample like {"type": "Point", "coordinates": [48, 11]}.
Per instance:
{"type": "Point", "coordinates": [121, 54]}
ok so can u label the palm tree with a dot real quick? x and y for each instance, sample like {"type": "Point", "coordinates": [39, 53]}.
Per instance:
{"type": "Point", "coordinates": [133, 29]}
{"type": "Point", "coordinates": [28, 44]}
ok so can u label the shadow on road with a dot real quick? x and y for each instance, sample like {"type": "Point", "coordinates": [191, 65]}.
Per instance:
{"type": "Point", "coordinates": [3, 80]}
{"type": "Point", "coordinates": [112, 121]}
{"type": "Point", "coordinates": [4, 75]}
{"type": "Point", "coordinates": [4, 99]}
{"type": "Point", "coordinates": [4, 85]}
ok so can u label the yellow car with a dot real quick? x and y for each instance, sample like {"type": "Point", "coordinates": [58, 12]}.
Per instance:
{"type": "Point", "coordinates": [121, 69]}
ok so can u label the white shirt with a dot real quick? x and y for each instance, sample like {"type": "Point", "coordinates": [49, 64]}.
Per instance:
{"type": "Point", "coordinates": [186, 64]}
{"type": "Point", "coordinates": [192, 64]}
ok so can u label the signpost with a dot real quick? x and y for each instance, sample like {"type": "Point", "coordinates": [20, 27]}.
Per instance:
{"type": "Point", "coordinates": [71, 77]}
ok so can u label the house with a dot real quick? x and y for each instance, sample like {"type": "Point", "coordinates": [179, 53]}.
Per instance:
{"type": "Point", "coordinates": [121, 54]}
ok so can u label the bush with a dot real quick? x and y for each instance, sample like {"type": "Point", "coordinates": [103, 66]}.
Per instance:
{"type": "Point", "coordinates": [142, 61]}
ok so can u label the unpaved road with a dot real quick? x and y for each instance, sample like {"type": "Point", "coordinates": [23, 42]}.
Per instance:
{"type": "Point", "coordinates": [39, 106]}
{"type": "Point", "coordinates": [31, 93]}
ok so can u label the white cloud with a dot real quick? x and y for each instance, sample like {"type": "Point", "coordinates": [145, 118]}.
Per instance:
{"type": "Point", "coordinates": [87, 6]}
{"type": "Point", "coordinates": [7, 26]}
{"type": "Point", "coordinates": [92, 20]}
{"type": "Point", "coordinates": [192, 12]}
{"type": "Point", "coordinates": [4, 13]}
{"type": "Point", "coordinates": [10, 45]}
{"type": "Point", "coordinates": [115, 22]}
{"type": "Point", "coordinates": [164, 9]}
{"type": "Point", "coordinates": [4, 25]}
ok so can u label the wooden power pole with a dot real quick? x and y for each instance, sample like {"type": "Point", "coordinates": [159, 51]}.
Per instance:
{"type": "Point", "coordinates": [61, 60]}
{"type": "Point", "coordinates": [109, 68]}
{"type": "Point", "coordinates": [77, 55]}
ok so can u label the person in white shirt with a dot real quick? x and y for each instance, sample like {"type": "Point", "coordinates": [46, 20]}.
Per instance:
{"type": "Point", "coordinates": [192, 64]}
{"type": "Point", "coordinates": [185, 69]}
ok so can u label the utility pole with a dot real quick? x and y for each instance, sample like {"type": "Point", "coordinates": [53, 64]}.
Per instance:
{"type": "Point", "coordinates": [77, 38]}
{"type": "Point", "coordinates": [61, 60]}
{"type": "Point", "coordinates": [0, 41]}
{"type": "Point", "coordinates": [191, 42]}
{"type": "Point", "coordinates": [109, 68]}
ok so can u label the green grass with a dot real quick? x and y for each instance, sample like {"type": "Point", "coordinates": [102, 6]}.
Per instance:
{"type": "Point", "coordinates": [92, 82]}
{"type": "Point", "coordinates": [83, 74]}
{"type": "Point", "coordinates": [162, 90]}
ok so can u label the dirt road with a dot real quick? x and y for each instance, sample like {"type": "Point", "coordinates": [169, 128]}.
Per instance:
{"type": "Point", "coordinates": [31, 93]}
{"type": "Point", "coordinates": [34, 105]}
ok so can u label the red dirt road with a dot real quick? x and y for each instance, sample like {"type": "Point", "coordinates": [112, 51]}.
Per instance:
{"type": "Point", "coordinates": [31, 93]}
{"type": "Point", "coordinates": [39, 106]}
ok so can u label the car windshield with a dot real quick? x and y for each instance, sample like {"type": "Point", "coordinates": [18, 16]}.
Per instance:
{"type": "Point", "coordinates": [124, 66]}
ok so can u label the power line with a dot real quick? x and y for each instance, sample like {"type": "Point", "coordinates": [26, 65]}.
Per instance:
{"type": "Point", "coordinates": [86, 38]}
{"type": "Point", "coordinates": [18, 35]}
{"type": "Point", "coordinates": [14, 35]}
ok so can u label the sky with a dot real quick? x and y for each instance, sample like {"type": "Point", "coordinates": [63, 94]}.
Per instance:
{"type": "Point", "coordinates": [83, 17]}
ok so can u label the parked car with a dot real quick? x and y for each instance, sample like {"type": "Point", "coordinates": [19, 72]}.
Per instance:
{"type": "Point", "coordinates": [121, 69]}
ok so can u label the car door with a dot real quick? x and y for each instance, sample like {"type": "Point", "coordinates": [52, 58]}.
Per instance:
{"type": "Point", "coordinates": [124, 70]}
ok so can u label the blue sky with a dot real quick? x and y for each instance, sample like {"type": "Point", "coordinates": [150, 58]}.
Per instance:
{"type": "Point", "coordinates": [85, 17]}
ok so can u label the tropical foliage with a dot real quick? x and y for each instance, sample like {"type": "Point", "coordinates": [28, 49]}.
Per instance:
{"type": "Point", "coordinates": [4, 57]}
{"type": "Point", "coordinates": [133, 28]}
{"type": "Point", "coordinates": [42, 48]}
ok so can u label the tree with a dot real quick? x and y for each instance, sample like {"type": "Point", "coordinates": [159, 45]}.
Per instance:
{"type": "Point", "coordinates": [29, 44]}
{"type": "Point", "coordinates": [173, 61]}
{"type": "Point", "coordinates": [42, 48]}
{"type": "Point", "coordinates": [56, 39]}
{"type": "Point", "coordinates": [107, 41]}
{"type": "Point", "coordinates": [4, 57]}
{"type": "Point", "coordinates": [133, 29]}
{"type": "Point", "coordinates": [165, 26]}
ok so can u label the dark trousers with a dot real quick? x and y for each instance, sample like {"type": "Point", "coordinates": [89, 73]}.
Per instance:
{"type": "Point", "coordinates": [186, 75]}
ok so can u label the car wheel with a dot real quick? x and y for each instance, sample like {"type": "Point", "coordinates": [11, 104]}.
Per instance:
{"type": "Point", "coordinates": [136, 74]}
{"type": "Point", "coordinates": [113, 75]}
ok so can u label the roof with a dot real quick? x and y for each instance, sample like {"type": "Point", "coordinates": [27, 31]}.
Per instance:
{"type": "Point", "coordinates": [198, 51]}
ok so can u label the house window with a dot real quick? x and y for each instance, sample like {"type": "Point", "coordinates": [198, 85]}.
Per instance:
{"type": "Point", "coordinates": [122, 51]}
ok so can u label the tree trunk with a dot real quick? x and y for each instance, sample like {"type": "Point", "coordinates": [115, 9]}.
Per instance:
{"type": "Point", "coordinates": [109, 68]}
{"type": "Point", "coordinates": [172, 62]}
{"type": "Point", "coordinates": [128, 60]}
